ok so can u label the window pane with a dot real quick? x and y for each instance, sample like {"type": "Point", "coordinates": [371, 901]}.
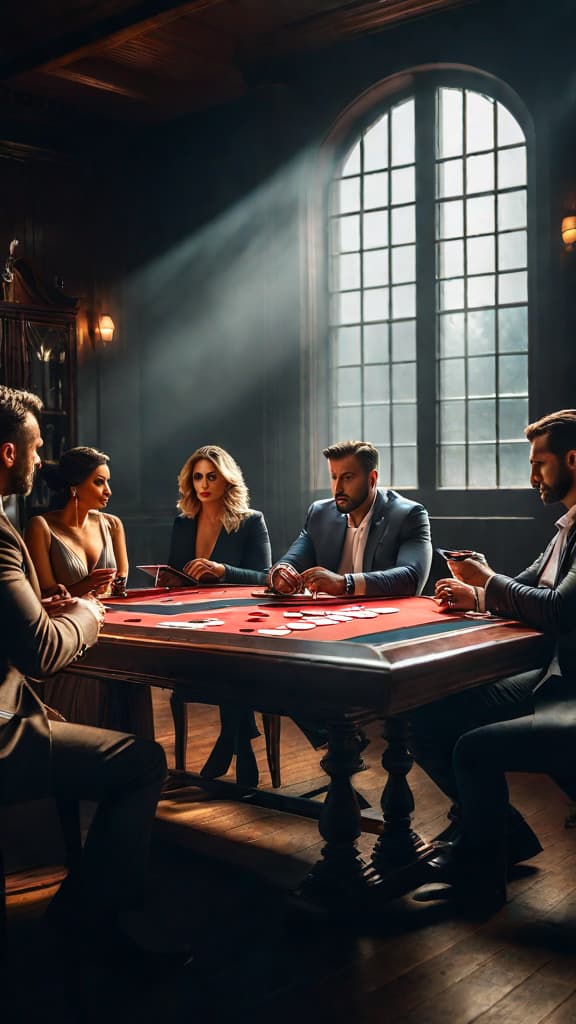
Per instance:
{"type": "Point", "coordinates": [513, 418]}
{"type": "Point", "coordinates": [480, 215]}
{"type": "Point", "coordinates": [375, 190]}
{"type": "Point", "coordinates": [346, 308]}
{"type": "Point", "coordinates": [513, 375]}
{"type": "Point", "coordinates": [347, 234]}
{"type": "Point", "coordinates": [481, 376]}
{"type": "Point", "coordinates": [376, 304]}
{"type": "Point", "coordinates": [347, 345]}
{"type": "Point", "coordinates": [512, 210]}
{"type": "Point", "coordinates": [512, 167]}
{"type": "Point", "coordinates": [403, 133]}
{"type": "Point", "coordinates": [481, 291]}
{"type": "Point", "coordinates": [349, 422]}
{"type": "Point", "coordinates": [403, 187]}
{"type": "Point", "coordinates": [452, 294]}
{"type": "Point", "coordinates": [375, 226]}
{"type": "Point", "coordinates": [384, 472]}
{"type": "Point", "coordinates": [452, 466]}
{"type": "Point", "coordinates": [375, 267]}
{"type": "Point", "coordinates": [404, 340]}
{"type": "Point", "coordinates": [405, 473]}
{"type": "Point", "coordinates": [376, 424]}
{"type": "Point", "coordinates": [403, 225]}
{"type": "Point", "coordinates": [513, 329]}
{"type": "Point", "coordinates": [403, 301]}
{"type": "Point", "coordinates": [348, 385]}
{"type": "Point", "coordinates": [482, 420]}
{"type": "Point", "coordinates": [512, 250]}
{"type": "Point", "coordinates": [482, 465]}
{"type": "Point", "coordinates": [376, 146]}
{"type": "Point", "coordinates": [451, 219]}
{"type": "Point", "coordinates": [450, 259]}
{"type": "Point", "coordinates": [404, 264]}
{"type": "Point", "coordinates": [514, 471]}
{"type": "Point", "coordinates": [450, 178]}
{"type": "Point", "coordinates": [481, 332]}
{"type": "Point", "coordinates": [351, 163]}
{"type": "Point", "coordinates": [376, 384]}
{"type": "Point", "coordinates": [404, 424]}
{"type": "Point", "coordinates": [480, 173]}
{"type": "Point", "coordinates": [509, 131]}
{"type": "Point", "coordinates": [480, 255]}
{"type": "Point", "coordinates": [451, 334]}
{"type": "Point", "coordinates": [513, 287]}
{"type": "Point", "coordinates": [449, 132]}
{"type": "Point", "coordinates": [452, 378]}
{"type": "Point", "coordinates": [404, 382]}
{"type": "Point", "coordinates": [452, 421]}
{"type": "Point", "coordinates": [479, 122]}
{"type": "Point", "coordinates": [346, 271]}
{"type": "Point", "coordinates": [376, 343]}
{"type": "Point", "coordinates": [348, 196]}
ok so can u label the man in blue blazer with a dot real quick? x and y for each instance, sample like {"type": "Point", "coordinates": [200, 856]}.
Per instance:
{"type": "Point", "coordinates": [362, 541]}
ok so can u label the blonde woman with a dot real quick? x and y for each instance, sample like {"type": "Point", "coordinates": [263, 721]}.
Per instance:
{"type": "Point", "coordinates": [218, 537]}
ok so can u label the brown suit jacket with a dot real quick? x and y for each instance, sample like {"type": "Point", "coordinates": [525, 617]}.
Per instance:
{"type": "Point", "coordinates": [31, 644]}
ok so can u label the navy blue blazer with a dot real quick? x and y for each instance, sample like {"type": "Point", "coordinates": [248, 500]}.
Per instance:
{"type": "Point", "coordinates": [551, 609]}
{"type": "Point", "coordinates": [245, 553]}
{"type": "Point", "coordinates": [398, 551]}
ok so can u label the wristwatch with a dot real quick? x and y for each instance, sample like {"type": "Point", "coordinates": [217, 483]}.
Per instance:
{"type": "Point", "coordinates": [349, 584]}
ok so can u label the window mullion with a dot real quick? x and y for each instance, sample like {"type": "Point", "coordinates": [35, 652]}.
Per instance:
{"type": "Point", "coordinates": [425, 116]}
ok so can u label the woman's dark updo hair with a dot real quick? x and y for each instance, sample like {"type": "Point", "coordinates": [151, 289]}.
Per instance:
{"type": "Point", "coordinates": [73, 468]}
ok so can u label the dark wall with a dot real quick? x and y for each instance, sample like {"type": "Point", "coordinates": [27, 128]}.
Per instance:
{"type": "Point", "coordinates": [196, 246]}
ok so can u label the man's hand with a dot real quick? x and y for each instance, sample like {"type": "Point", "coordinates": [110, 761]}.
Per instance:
{"type": "Point", "coordinates": [454, 596]}
{"type": "Point", "coordinates": [319, 580]}
{"type": "Point", "coordinates": [58, 604]}
{"type": "Point", "coordinates": [473, 570]}
{"type": "Point", "coordinates": [204, 569]}
{"type": "Point", "coordinates": [284, 579]}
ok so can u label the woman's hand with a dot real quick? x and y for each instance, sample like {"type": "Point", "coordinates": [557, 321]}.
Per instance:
{"type": "Point", "coordinates": [98, 582]}
{"type": "Point", "coordinates": [203, 569]}
{"type": "Point", "coordinates": [454, 596]}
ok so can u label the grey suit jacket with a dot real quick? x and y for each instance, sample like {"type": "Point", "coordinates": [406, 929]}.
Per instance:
{"type": "Point", "coordinates": [552, 610]}
{"type": "Point", "coordinates": [398, 551]}
{"type": "Point", "coordinates": [31, 644]}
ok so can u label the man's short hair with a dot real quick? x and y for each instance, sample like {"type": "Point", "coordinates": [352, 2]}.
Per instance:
{"type": "Point", "coordinates": [559, 428]}
{"type": "Point", "coordinates": [365, 452]}
{"type": "Point", "coordinates": [15, 407]}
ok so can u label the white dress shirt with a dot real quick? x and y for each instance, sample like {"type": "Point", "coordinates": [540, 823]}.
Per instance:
{"type": "Point", "coordinates": [352, 558]}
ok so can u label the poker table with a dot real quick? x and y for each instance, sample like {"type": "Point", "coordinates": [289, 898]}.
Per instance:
{"type": "Point", "coordinates": [349, 661]}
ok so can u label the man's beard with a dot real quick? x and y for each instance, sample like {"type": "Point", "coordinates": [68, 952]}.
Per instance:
{"type": "Point", "coordinates": [351, 504]}
{"type": "Point", "coordinates": [563, 484]}
{"type": "Point", "coordinates": [22, 476]}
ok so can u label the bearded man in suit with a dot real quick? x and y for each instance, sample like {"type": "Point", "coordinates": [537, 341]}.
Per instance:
{"type": "Point", "coordinates": [40, 757]}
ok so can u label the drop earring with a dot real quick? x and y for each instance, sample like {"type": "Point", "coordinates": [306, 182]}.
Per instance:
{"type": "Point", "coordinates": [75, 497]}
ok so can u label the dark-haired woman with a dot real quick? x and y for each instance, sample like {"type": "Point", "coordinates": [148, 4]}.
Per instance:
{"type": "Point", "coordinates": [80, 546]}
{"type": "Point", "coordinates": [219, 537]}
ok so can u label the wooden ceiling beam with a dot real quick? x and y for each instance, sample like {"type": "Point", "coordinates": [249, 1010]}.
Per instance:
{"type": "Point", "coordinates": [110, 32]}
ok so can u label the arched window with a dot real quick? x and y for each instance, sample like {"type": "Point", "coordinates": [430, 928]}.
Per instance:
{"type": "Point", "coordinates": [429, 290]}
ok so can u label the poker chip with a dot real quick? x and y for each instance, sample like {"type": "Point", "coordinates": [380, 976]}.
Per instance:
{"type": "Point", "coordinates": [281, 631]}
{"type": "Point", "coordinates": [365, 614]}
{"type": "Point", "coordinates": [337, 617]}
{"type": "Point", "coordinates": [313, 614]}
{"type": "Point", "coordinates": [303, 624]}
{"type": "Point", "coordinates": [244, 629]}
{"type": "Point", "coordinates": [320, 622]}
{"type": "Point", "coordinates": [292, 615]}
{"type": "Point", "coordinates": [385, 611]}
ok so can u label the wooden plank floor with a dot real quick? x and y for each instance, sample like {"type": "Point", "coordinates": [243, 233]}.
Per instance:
{"type": "Point", "coordinates": [221, 874]}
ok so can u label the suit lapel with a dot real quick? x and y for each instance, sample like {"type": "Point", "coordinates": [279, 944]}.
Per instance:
{"type": "Point", "coordinates": [378, 528]}
{"type": "Point", "coordinates": [567, 555]}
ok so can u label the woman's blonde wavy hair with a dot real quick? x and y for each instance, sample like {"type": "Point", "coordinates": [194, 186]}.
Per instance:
{"type": "Point", "coordinates": [236, 498]}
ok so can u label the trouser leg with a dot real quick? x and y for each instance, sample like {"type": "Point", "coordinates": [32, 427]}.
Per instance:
{"type": "Point", "coordinates": [124, 775]}
{"type": "Point", "coordinates": [436, 728]}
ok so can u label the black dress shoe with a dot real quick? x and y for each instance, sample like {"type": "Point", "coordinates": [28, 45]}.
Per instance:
{"type": "Point", "coordinates": [220, 758]}
{"type": "Point", "coordinates": [521, 842]}
{"type": "Point", "coordinates": [477, 878]}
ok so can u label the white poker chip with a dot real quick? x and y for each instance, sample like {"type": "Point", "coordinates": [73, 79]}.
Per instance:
{"type": "Point", "coordinates": [337, 617]}
{"type": "Point", "coordinates": [320, 622]}
{"type": "Point", "coordinates": [281, 631]}
{"type": "Point", "coordinates": [304, 624]}
{"type": "Point", "coordinates": [313, 614]}
{"type": "Point", "coordinates": [385, 611]}
{"type": "Point", "coordinates": [365, 615]}
{"type": "Point", "coordinates": [292, 615]}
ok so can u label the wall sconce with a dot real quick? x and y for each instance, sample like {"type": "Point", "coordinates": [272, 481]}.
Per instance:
{"type": "Point", "coordinates": [569, 232]}
{"type": "Point", "coordinates": [106, 326]}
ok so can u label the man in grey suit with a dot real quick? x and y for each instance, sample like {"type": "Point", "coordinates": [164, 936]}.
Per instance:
{"type": "Point", "coordinates": [39, 757]}
{"type": "Point", "coordinates": [363, 540]}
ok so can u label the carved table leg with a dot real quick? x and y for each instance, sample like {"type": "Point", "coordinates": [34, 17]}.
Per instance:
{"type": "Point", "coordinates": [398, 853]}
{"type": "Point", "coordinates": [339, 878]}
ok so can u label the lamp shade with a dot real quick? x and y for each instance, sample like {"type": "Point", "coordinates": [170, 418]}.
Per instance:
{"type": "Point", "coordinates": [106, 326]}
{"type": "Point", "coordinates": [569, 231]}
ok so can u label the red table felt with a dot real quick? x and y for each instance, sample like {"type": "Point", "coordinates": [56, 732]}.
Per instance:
{"type": "Point", "coordinates": [235, 606]}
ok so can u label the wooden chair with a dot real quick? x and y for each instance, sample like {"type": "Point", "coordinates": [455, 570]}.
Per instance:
{"type": "Point", "coordinates": [272, 729]}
